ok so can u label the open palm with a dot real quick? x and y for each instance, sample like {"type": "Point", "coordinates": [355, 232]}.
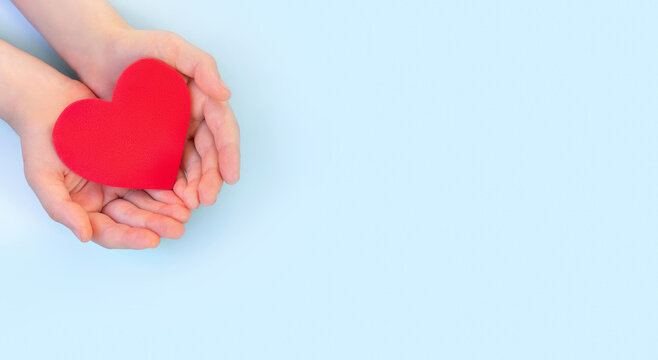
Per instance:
{"type": "Point", "coordinates": [112, 217]}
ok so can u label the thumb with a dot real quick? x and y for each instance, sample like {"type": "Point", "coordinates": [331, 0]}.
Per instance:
{"type": "Point", "coordinates": [56, 200]}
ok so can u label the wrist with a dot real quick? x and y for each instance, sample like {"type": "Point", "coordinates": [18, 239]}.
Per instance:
{"type": "Point", "coordinates": [93, 62]}
{"type": "Point", "coordinates": [28, 88]}
{"type": "Point", "coordinates": [38, 110]}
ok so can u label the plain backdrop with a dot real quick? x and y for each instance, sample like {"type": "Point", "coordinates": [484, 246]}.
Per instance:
{"type": "Point", "coordinates": [421, 180]}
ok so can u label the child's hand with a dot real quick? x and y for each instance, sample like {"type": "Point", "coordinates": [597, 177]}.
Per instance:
{"type": "Point", "coordinates": [212, 151]}
{"type": "Point", "coordinates": [113, 217]}
{"type": "Point", "coordinates": [98, 44]}
{"type": "Point", "coordinates": [32, 95]}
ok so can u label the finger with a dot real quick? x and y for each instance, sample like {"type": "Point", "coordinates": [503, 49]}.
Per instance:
{"type": "Point", "coordinates": [111, 193]}
{"type": "Point", "coordinates": [192, 165]}
{"type": "Point", "coordinates": [198, 102]}
{"type": "Point", "coordinates": [224, 127]}
{"type": "Point", "coordinates": [90, 197]}
{"type": "Point", "coordinates": [145, 202]}
{"type": "Point", "coordinates": [211, 180]}
{"type": "Point", "coordinates": [180, 185]}
{"type": "Point", "coordinates": [192, 62]}
{"type": "Point", "coordinates": [165, 196]}
{"type": "Point", "coordinates": [110, 235]}
{"type": "Point", "coordinates": [125, 212]}
{"type": "Point", "coordinates": [57, 202]}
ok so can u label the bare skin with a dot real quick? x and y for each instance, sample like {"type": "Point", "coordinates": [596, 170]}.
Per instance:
{"type": "Point", "coordinates": [95, 41]}
{"type": "Point", "coordinates": [98, 44]}
{"type": "Point", "coordinates": [33, 94]}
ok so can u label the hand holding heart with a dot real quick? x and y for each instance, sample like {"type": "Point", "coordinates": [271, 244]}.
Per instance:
{"type": "Point", "coordinates": [212, 150]}
{"type": "Point", "coordinates": [114, 217]}
{"type": "Point", "coordinates": [134, 141]}
{"type": "Point", "coordinates": [98, 45]}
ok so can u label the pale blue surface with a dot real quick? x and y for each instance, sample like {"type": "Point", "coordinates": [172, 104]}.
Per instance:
{"type": "Point", "coordinates": [421, 180]}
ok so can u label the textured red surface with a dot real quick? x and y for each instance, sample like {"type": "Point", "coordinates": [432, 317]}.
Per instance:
{"type": "Point", "coordinates": [137, 139]}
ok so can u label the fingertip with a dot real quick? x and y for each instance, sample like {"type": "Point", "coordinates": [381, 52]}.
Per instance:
{"type": "Point", "coordinates": [169, 228]}
{"type": "Point", "coordinates": [84, 234]}
{"type": "Point", "coordinates": [174, 226]}
{"type": "Point", "coordinates": [78, 221]}
{"type": "Point", "coordinates": [232, 177]}
{"type": "Point", "coordinates": [191, 196]}
{"type": "Point", "coordinates": [179, 188]}
{"type": "Point", "coordinates": [184, 214]}
{"type": "Point", "coordinates": [224, 93]}
{"type": "Point", "coordinates": [220, 93]}
{"type": "Point", "coordinates": [177, 212]}
{"type": "Point", "coordinates": [216, 87]}
{"type": "Point", "coordinates": [177, 231]}
{"type": "Point", "coordinates": [208, 200]}
{"type": "Point", "coordinates": [229, 165]}
{"type": "Point", "coordinates": [144, 239]}
{"type": "Point", "coordinates": [209, 187]}
{"type": "Point", "coordinates": [155, 243]}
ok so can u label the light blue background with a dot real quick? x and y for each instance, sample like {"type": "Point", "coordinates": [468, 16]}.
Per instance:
{"type": "Point", "coordinates": [421, 180]}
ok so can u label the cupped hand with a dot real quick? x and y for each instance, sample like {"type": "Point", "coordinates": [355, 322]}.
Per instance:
{"type": "Point", "coordinates": [111, 217]}
{"type": "Point", "coordinates": [212, 150]}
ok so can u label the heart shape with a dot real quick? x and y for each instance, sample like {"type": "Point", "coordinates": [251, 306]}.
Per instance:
{"type": "Point", "coordinates": [134, 141]}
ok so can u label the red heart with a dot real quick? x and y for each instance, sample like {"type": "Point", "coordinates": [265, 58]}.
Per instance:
{"type": "Point", "coordinates": [134, 141]}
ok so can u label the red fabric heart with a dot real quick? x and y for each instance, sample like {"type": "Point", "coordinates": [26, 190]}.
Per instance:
{"type": "Point", "coordinates": [134, 141]}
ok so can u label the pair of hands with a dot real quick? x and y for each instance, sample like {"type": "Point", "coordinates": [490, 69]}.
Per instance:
{"type": "Point", "coordinates": [135, 218]}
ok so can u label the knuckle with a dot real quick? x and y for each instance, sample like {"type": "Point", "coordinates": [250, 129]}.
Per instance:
{"type": "Point", "coordinates": [211, 61]}
{"type": "Point", "coordinates": [151, 221]}
{"type": "Point", "coordinates": [169, 44]}
{"type": "Point", "coordinates": [171, 37]}
{"type": "Point", "coordinates": [53, 214]}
